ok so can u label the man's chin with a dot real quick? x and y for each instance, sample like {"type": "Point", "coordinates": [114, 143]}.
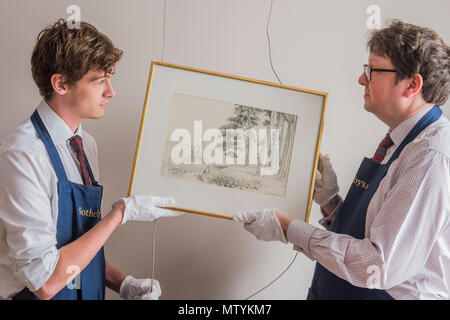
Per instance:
{"type": "Point", "coordinates": [96, 116]}
{"type": "Point", "coordinates": [367, 106]}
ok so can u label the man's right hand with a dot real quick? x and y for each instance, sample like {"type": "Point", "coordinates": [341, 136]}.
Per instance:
{"type": "Point", "coordinates": [325, 187]}
{"type": "Point", "coordinates": [146, 208]}
{"type": "Point", "coordinates": [139, 289]}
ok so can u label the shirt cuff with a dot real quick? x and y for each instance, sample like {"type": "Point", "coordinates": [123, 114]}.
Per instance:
{"type": "Point", "coordinates": [299, 233]}
{"type": "Point", "coordinates": [327, 221]}
{"type": "Point", "coordinates": [35, 274]}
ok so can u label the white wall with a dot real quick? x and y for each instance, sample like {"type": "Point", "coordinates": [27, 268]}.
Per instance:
{"type": "Point", "coordinates": [315, 44]}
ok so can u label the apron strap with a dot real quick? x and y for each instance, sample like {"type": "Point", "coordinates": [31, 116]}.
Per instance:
{"type": "Point", "coordinates": [430, 117]}
{"type": "Point", "coordinates": [50, 146]}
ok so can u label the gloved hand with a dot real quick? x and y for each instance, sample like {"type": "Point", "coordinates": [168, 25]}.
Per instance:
{"type": "Point", "coordinates": [325, 187]}
{"type": "Point", "coordinates": [145, 208]}
{"type": "Point", "coordinates": [139, 289]}
{"type": "Point", "coordinates": [264, 225]}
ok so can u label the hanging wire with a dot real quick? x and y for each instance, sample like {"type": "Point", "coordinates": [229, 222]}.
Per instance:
{"type": "Point", "coordinates": [154, 222]}
{"type": "Point", "coordinates": [153, 254]}
{"type": "Point", "coordinates": [270, 283]}
{"type": "Point", "coordinates": [273, 69]}
{"type": "Point", "coordinates": [268, 41]}
{"type": "Point", "coordinates": [164, 32]}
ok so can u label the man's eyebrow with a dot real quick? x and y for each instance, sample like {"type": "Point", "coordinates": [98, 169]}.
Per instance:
{"type": "Point", "coordinates": [93, 78]}
{"type": "Point", "coordinates": [105, 75]}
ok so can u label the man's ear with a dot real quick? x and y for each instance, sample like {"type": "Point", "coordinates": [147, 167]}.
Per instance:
{"type": "Point", "coordinates": [58, 83]}
{"type": "Point", "coordinates": [414, 85]}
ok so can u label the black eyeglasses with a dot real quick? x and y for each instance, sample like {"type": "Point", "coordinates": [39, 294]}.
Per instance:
{"type": "Point", "coordinates": [368, 71]}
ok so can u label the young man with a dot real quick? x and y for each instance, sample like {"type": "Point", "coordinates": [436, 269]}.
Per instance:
{"type": "Point", "coordinates": [390, 237]}
{"type": "Point", "coordinates": [50, 224]}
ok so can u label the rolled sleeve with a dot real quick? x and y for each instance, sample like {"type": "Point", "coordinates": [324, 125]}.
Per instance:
{"type": "Point", "coordinates": [26, 214]}
{"type": "Point", "coordinates": [299, 233]}
{"type": "Point", "coordinates": [34, 274]}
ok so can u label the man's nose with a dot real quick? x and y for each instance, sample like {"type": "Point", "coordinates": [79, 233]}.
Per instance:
{"type": "Point", "coordinates": [362, 79]}
{"type": "Point", "coordinates": [109, 92]}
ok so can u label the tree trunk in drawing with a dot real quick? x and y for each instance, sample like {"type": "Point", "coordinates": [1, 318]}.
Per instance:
{"type": "Point", "coordinates": [283, 169]}
{"type": "Point", "coordinates": [284, 128]}
{"type": "Point", "coordinates": [289, 143]}
{"type": "Point", "coordinates": [269, 124]}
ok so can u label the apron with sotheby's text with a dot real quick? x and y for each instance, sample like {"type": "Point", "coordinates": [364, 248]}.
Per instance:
{"type": "Point", "coordinates": [351, 220]}
{"type": "Point", "coordinates": [78, 211]}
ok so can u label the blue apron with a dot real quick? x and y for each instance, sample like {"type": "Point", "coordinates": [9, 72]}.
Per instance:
{"type": "Point", "coordinates": [78, 211]}
{"type": "Point", "coordinates": [351, 220]}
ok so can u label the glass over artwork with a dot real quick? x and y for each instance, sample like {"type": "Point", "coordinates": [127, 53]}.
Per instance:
{"type": "Point", "coordinates": [228, 145]}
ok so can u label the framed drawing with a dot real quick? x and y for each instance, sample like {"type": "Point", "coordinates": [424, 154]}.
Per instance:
{"type": "Point", "coordinates": [220, 144]}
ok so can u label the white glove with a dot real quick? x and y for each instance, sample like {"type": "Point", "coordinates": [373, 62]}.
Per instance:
{"type": "Point", "coordinates": [325, 187]}
{"type": "Point", "coordinates": [139, 289]}
{"type": "Point", "coordinates": [145, 208]}
{"type": "Point", "coordinates": [264, 225]}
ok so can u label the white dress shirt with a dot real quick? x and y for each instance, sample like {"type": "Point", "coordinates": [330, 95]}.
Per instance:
{"type": "Point", "coordinates": [29, 200]}
{"type": "Point", "coordinates": [406, 249]}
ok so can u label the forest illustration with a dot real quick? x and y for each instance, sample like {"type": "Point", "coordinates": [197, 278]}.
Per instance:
{"type": "Point", "coordinates": [236, 146]}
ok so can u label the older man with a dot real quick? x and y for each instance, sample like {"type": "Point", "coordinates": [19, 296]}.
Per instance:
{"type": "Point", "coordinates": [390, 237]}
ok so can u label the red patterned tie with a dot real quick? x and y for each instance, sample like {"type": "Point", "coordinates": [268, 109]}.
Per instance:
{"type": "Point", "coordinates": [382, 148]}
{"type": "Point", "coordinates": [77, 146]}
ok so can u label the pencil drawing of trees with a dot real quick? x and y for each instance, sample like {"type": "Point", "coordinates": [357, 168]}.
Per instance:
{"type": "Point", "coordinates": [245, 118]}
{"type": "Point", "coordinates": [250, 162]}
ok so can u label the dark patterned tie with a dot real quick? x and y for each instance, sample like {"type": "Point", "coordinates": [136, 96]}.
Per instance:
{"type": "Point", "coordinates": [382, 148]}
{"type": "Point", "coordinates": [77, 145]}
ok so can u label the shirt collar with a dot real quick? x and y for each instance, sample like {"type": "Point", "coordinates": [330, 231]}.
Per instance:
{"type": "Point", "coordinates": [59, 131]}
{"type": "Point", "coordinates": [401, 131]}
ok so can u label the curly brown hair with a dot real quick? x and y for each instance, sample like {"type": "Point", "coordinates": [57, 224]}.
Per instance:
{"type": "Point", "coordinates": [416, 50]}
{"type": "Point", "coordinates": [71, 53]}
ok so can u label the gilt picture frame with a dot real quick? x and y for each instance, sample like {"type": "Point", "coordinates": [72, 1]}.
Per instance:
{"type": "Point", "coordinates": [220, 144]}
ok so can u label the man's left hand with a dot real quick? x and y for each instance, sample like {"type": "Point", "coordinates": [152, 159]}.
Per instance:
{"type": "Point", "coordinates": [139, 289]}
{"type": "Point", "coordinates": [264, 225]}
